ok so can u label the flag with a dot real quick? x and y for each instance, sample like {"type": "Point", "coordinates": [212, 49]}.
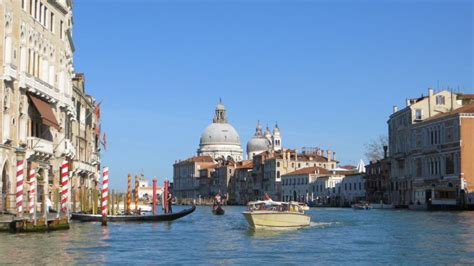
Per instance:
{"type": "Point", "coordinates": [97, 111]}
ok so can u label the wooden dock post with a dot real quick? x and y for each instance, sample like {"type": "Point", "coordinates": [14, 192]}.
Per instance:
{"type": "Point", "coordinates": [154, 196]}
{"type": "Point", "coordinates": [129, 188]}
{"type": "Point", "coordinates": [136, 194]}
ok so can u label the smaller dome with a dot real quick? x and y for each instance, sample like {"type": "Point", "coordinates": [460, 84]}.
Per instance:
{"type": "Point", "coordinates": [257, 144]}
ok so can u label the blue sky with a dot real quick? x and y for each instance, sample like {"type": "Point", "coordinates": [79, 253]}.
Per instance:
{"type": "Point", "coordinates": [328, 71]}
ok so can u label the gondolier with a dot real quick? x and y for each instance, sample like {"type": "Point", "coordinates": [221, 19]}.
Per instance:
{"type": "Point", "coordinates": [170, 202]}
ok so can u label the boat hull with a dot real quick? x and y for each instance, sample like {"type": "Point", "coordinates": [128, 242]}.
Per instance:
{"type": "Point", "coordinates": [218, 211]}
{"type": "Point", "coordinates": [258, 220]}
{"type": "Point", "coordinates": [132, 218]}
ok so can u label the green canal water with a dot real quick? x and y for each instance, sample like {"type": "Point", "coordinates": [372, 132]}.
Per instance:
{"type": "Point", "coordinates": [336, 236]}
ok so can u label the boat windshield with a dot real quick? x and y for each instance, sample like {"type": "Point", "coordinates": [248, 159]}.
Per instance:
{"type": "Point", "coordinates": [274, 206]}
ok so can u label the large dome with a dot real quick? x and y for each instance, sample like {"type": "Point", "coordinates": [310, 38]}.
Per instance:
{"type": "Point", "coordinates": [220, 139]}
{"type": "Point", "coordinates": [217, 133]}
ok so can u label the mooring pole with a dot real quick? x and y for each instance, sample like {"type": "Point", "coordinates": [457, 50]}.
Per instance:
{"type": "Point", "coordinates": [129, 188]}
{"type": "Point", "coordinates": [136, 194]}
{"type": "Point", "coordinates": [105, 195]}
{"type": "Point", "coordinates": [154, 196]}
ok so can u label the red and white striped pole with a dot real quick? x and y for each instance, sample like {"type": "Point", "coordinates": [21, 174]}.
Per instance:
{"type": "Point", "coordinates": [32, 198]}
{"type": "Point", "coordinates": [65, 187]}
{"type": "Point", "coordinates": [105, 194]}
{"type": "Point", "coordinates": [19, 187]}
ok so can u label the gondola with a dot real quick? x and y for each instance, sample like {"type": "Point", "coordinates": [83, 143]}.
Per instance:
{"type": "Point", "coordinates": [218, 210]}
{"type": "Point", "coordinates": [132, 218]}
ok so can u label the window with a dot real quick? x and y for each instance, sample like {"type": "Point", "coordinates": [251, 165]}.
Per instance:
{"type": "Point", "coordinates": [450, 164]}
{"type": "Point", "coordinates": [23, 4]}
{"type": "Point", "coordinates": [440, 100]}
{"type": "Point", "coordinates": [40, 11]}
{"type": "Point", "coordinates": [45, 16]}
{"type": "Point", "coordinates": [278, 164]}
{"type": "Point", "coordinates": [61, 33]}
{"type": "Point", "coordinates": [418, 114]}
{"type": "Point", "coordinates": [418, 167]}
{"type": "Point", "coordinates": [51, 22]}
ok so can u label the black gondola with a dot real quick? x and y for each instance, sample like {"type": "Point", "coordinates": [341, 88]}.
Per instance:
{"type": "Point", "coordinates": [217, 210]}
{"type": "Point", "coordinates": [132, 218]}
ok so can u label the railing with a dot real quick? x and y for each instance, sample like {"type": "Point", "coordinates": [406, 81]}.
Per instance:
{"type": "Point", "coordinates": [10, 71]}
{"type": "Point", "coordinates": [36, 84]}
{"type": "Point", "coordinates": [40, 145]}
{"type": "Point", "coordinates": [66, 148]}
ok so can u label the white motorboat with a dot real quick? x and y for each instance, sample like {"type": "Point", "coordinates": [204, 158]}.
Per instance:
{"type": "Point", "coordinates": [273, 214]}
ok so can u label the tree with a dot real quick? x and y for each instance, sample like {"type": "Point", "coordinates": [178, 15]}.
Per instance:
{"type": "Point", "coordinates": [374, 149]}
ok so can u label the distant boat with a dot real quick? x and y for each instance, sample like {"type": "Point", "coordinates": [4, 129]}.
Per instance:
{"type": "Point", "coordinates": [273, 214]}
{"type": "Point", "coordinates": [217, 210]}
{"type": "Point", "coordinates": [132, 218]}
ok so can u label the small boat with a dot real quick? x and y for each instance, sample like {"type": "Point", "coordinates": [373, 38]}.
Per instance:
{"type": "Point", "coordinates": [273, 214]}
{"type": "Point", "coordinates": [217, 210]}
{"type": "Point", "coordinates": [132, 218]}
{"type": "Point", "coordinates": [362, 206]}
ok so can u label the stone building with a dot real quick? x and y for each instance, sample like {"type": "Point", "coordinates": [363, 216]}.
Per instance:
{"type": "Point", "coordinates": [296, 185]}
{"type": "Point", "coordinates": [36, 70]}
{"type": "Point", "coordinates": [400, 141]}
{"type": "Point", "coordinates": [377, 180]}
{"type": "Point", "coordinates": [188, 176]}
{"type": "Point", "coordinates": [441, 160]}
{"type": "Point", "coordinates": [417, 144]}
{"type": "Point", "coordinates": [84, 135]}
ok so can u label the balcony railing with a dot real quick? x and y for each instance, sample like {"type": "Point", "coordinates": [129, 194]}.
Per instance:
{"type": "Point", "coordinates": [10, 72]}
{"type": "Point", "coordinates": [40, 145]}
{"type": "Point", "coordinates": [66, 149]}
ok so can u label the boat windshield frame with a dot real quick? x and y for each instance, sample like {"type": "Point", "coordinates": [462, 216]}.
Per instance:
{"type": "Point", "coordinates": [277, 206]}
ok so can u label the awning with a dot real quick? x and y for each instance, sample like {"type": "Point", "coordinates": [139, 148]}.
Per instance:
{"type": "Point", "coordinates": [45, 111]}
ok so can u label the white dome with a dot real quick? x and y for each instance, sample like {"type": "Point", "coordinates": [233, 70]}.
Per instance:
{"type": "Point", "coordinates": [257, 144]}
{"type": "Point", "coordinates": [217, 133]}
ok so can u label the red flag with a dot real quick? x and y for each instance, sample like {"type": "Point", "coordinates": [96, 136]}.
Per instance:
{"type": "Point", "coordinates": [97, 111]}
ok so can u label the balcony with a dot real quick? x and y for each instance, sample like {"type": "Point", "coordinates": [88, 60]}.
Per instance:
{"type": "Point", "coordinates": [40, 146]}
{"type": "Point", "coordinates": [10, 72]}
{"type": "Point", "coordinates": [66, 149]}
{"type": "Point", "coordinates": [84, 168]}
{"type": "Point", "coordinates": [39, 87]}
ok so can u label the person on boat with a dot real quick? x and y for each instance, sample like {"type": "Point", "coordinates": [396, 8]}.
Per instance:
{"type": "Point", "coordinates": [267, 197]}
{"type": "Point", "coordinates": [170, 202]}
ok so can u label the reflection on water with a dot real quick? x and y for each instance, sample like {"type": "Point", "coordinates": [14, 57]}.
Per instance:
{"type": "Point", "coordinates": [335, 236]}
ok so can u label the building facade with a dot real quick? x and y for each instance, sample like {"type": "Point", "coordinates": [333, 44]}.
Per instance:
{"type": "Point", "coordinates": [377, 180]}
{"type": "Point", "coordinates": [423, 149]}
{"type": "Point", "coordinates": [37, 109]}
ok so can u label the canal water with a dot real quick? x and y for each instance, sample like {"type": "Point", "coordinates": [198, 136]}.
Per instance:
{"type": "Point", "coordinates": [336, 236]}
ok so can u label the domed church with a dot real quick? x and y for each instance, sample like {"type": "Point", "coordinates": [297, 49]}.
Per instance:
{"type": "Point", "coordinates": [220, 140]}
{"type": "Point", "coordinates": [263, 142]}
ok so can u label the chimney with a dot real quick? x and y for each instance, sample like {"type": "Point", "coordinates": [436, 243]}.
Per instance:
{"type": "Point", "coordinates": [334, 156]}
{"type": "Point", "coordinates": [329, 155]}
{"type": "Point", "coordinates": [430, 92]}
{"type": "Point", "coordinates": [408, 102]}
{"type": "Point", "coordinates": [395, 109]}
{"type": "Point", "coordinates": [385, 150]}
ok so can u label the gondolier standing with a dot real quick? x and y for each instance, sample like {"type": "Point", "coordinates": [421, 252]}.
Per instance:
{"type": "Point", "coordinates": [170, 202]}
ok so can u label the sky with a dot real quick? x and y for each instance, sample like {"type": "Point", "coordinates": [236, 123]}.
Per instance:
{"type": "Point", "coordinates": [329, 72]}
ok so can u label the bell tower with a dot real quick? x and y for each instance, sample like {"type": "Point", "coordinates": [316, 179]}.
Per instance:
{"type": "Point", "coordinates": [276, 138]}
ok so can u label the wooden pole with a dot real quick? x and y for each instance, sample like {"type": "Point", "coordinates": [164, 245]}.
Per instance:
{"type": "Point", "coordinates": [136, 194]}
{"type": "Point", "coordinates": [129, 188]}
{"type": "Point", "coordinates": [105, 195]}
{"type": "Point", "coordinates": [154, 196]}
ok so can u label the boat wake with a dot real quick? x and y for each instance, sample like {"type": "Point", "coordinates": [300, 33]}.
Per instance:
{"type": "Point", "coordinates": [323, 224]}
